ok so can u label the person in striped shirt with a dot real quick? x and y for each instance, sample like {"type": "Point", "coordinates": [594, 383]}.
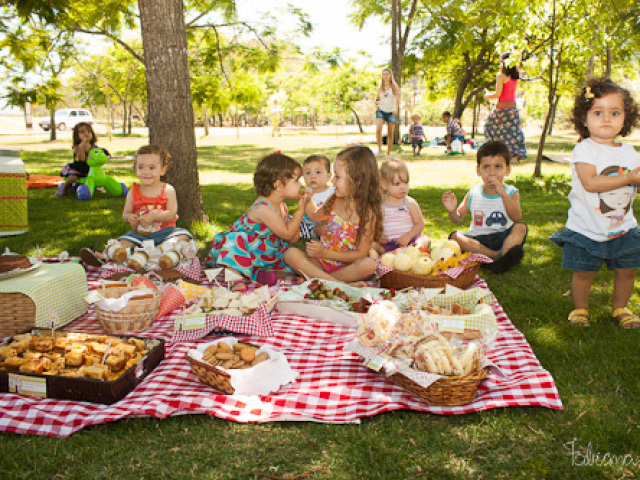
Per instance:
{"type": "Point", "coordinates": [454, 129]}
{"type": "Point", "coordinates": [402, 220]}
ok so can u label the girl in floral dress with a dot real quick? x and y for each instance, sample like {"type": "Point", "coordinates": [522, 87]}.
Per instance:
{"type": "Point", "coordinates": [256, 243]}
{"type": "Point", "coordinates": [353, 221]}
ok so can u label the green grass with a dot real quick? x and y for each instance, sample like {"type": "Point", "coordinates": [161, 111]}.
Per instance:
{"type": "Point", "coordinates": [596, 369]}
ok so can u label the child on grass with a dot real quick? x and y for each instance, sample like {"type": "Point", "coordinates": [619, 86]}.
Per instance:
{"type": "Point", "coordinates": [316, 170]}
{"type": "Point", "coordinates": [84, 138]}
{"type": "Point", "coordinates": [402, 220]}
{"type": "Point", "coordinates": [151, 208]}
{"type": "Point", "coordinates": [353, 221]}
{"type": "Point", "coordinates": [454, 130]}
{"type": "Point", "coordinates": [255, 244]}
{"type": "Point", "coordinates": [496, 229]}
{"type": "Point", "coordinates": [601, 226]}
{"type": "Point", "coordinates": [416, 134]}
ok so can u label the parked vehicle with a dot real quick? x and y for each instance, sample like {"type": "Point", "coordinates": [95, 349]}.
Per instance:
{"type": "Point", "coordinates": [66, 118]}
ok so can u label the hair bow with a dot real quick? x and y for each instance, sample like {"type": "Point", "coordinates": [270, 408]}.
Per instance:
{"type": "Point", "coordinates": [587, 93]}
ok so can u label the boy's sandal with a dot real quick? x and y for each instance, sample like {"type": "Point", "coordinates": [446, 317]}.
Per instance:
{"type": "Point", "coordinates": [579, 317]}
{"type": "Point", "coordinates": [626, 318]}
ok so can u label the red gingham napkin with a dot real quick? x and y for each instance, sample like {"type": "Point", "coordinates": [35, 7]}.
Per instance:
{"type": "Point", "coordinates": [332, 386]}
{"type": "Point", "coordinates": [192, 270]}
{"type": "Point", "coordinates": [451, 272]}
{"type": "Point", "coordinates": [258, 323]}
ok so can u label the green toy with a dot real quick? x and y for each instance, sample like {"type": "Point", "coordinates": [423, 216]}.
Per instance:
{"type": "Point", "coordinates": [96, 158]}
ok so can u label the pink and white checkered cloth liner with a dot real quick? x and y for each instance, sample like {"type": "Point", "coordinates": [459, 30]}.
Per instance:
{"type": "Point", "coordinates": [192, 270]}
{"type": "Point", "coordinates": [333, 386]}
{"type": "Point", "coordinates": [451, 272]}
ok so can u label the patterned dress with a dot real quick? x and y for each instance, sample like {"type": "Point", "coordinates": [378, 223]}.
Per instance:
{"type": "Point", "coordinates": [339, 235]}
{"type": "Point", "coordinates": [503, 123]}
{"type": "Point", "coordinates": [248, 247]}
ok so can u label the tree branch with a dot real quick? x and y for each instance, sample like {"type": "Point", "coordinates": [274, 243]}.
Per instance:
{"type": "Point", "coordinates": [113, 38]}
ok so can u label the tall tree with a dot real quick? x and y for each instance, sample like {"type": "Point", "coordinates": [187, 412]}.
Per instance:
{"type": "Point", "coordinates": [171, 125]}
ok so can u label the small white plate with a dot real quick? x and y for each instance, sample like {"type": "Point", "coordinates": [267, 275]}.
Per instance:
{"type": "Point", "coordinates": [21, 271]}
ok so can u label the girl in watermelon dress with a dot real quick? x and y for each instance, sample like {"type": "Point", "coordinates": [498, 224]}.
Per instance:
{"type": "Point", "coordinates": [255, 244]}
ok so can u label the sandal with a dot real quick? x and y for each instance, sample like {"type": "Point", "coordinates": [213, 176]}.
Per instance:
{"type": "Point", "coordinates": [579, 317]}
{"type": "Point", "coordinates": [626, 318]}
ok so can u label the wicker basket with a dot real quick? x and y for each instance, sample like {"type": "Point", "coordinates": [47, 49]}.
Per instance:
{"type": "Point", "coordinates": [136, 316]}
{"type": "Point", "coordinates": [18, 313]}
{"type": "Point", "coordinates": [211, 375]}
{"type": "Point", "coordinates": [448, 391]}
{"type": "Point", "coordinates": [399, 280]}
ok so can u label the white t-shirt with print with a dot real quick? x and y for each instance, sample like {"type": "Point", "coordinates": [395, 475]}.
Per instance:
{"type": "Point", "coordinates": [319, 199]}
{"type": "Point", "coordinates": [605, 215]}
{"type": "Point", "coordinates": [488, 213]}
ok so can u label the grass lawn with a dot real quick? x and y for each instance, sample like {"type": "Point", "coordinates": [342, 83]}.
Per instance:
{"type": "Point", "coordinates": [595, 369]}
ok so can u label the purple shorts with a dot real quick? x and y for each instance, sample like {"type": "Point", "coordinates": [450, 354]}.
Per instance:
{"type": "Point", "coordinates": [390, 246]}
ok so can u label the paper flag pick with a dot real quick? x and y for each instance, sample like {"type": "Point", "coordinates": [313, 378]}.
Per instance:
{"type": "Point", "coordinates": [212, 273]}
{"type": "Point", "coordinates": [231, 276]}
{"type": "Point", "coordinates": [172, 298]}
{"type": "Point", "coordinates": [263, 292]}
{"type": "Point", "coordinates": [191, 291]}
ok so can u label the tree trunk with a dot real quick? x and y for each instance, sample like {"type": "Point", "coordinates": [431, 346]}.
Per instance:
{"type": "Point", "coordinates": [52, 125]}
{"type": "Point", "coordinates": [355, 114]}
{"type": "Point", "coordinates": [171, 125]}
{"type": "Point", "coordinates": [475, 116]}
{"type": "Point", "coordinates": [124, 118]}
{"type": "Point", "coordinates": [205, 120]}
{"type": "Point", "coordinates": [554, 112]}
{"type": "Point", "coordinates": [607, 72]}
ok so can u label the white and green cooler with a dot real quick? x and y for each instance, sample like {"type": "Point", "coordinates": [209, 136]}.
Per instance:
{"type": "Point", "coordinates": [13, 194]}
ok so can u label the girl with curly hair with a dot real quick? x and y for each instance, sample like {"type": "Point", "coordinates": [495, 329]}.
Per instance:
{"type": "Point", "coordinates": [255, 244]}
{"type": "Point", "coordinates": [353, 219]}
{"type": "Point", "coordinates": [605, 174]}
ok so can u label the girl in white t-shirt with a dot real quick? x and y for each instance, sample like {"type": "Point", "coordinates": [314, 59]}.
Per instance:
{"type": "Point", "coordinates": [605, 174]}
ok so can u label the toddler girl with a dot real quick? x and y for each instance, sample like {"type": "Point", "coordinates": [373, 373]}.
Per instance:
{"type": "Point", "coordinates": [402, 221]}
{"type": "Point", "coordinates": [604, 174]}
{"type": "Point", "coordinates": [83, 139]}
{"type": "Point", "coordinates": [353, 221]}
{"type": "Point", "coordinates": [256, 243]}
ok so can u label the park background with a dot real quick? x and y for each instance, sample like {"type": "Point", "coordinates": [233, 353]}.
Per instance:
{"type": "Point", "coordinates": [444, 51]}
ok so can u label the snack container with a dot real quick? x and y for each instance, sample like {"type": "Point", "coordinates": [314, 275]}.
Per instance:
{"type": "Point", "coordinates": [399, 280]}
{"type": "Point", "coordinates": [83, 389]}
{"type": "Point", "coordinates": [262, 379]}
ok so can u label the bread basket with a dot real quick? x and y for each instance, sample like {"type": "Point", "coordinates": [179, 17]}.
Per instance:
{"type": "Point", "coordinates": [137, 315]}
{"type": "Point", "coordinates": [448, 391]}
{"type": "Point", "coordinates": [398, 280]}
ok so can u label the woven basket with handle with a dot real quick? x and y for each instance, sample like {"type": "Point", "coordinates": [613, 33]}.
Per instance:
{"type": "Point", "coordinates": [137, 315]}
{"type": "Point", "coordinates": [398, 280]}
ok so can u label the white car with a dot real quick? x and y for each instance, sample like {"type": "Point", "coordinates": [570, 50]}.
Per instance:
{"type": "Point", "coordinates": [66, 118]}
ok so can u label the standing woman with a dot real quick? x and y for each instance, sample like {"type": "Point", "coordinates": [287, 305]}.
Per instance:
{"type": "Point", "coordinates": [388, 102]}
{"type": "Point", "coordinates": [503, 123]}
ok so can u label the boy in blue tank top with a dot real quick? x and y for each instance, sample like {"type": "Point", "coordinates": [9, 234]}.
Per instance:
{"type": "Point", "coordinates": [496, 229]}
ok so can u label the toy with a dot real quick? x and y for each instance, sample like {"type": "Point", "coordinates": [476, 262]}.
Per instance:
{"type": "Point", "coordinates": [96, 158]}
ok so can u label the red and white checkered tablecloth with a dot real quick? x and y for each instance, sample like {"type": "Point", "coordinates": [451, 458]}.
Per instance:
{"type": "Point", "coordinates": [332, 384]}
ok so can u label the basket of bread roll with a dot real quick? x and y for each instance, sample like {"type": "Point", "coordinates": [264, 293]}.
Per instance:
{"type": "Point", "coordinates": [421, 267]}
{"type": "Point", "coordinates": [125, 308]}
{"type": "Point", "coordinates": [236, 367]}
{"type": "Point", "coordinates": [415, 351]}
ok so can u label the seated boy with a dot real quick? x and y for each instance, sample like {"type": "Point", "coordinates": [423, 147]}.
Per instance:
{"type": "Point", "coordinates": [496, 228]}
{"type": "Point", "coordinates": [316, 170]}
{"type": "Point", "coordinates": [454, 130]}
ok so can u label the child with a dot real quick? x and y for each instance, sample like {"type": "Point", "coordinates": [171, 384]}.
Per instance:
{"type": "Point", "coordinates": [151, 207]}
{"type": "Point", "coordinates": [605, 174]}
{"type": "Point", "coordinates": [496, 228]}
{"type": "Point", "coordinates": [454, 130]}
{"type": "Point", "coordinates": [402, 221]}
{"type": "Point", "coordinates": [317, 174]}
{"type": "Point", "coordinates": [416, 133]}
{"type": "Point", "coordinates": [353, 222]}
{"type": "Point", "coordinates": [256, 243]}
{"type": "Point", "coordinates": [83, 139]}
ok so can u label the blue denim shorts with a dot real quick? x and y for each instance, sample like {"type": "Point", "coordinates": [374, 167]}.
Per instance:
{"type": "Point", "coordinates": [494, 241]}
{"type": "Point", "coordinates": [388, 117]}
{"type": "Point", "coordinates": [580, 253]}
{"type": "Point", "coordinates": [158, 237]}
{"type": "Point", "coordinates": [416, 143]}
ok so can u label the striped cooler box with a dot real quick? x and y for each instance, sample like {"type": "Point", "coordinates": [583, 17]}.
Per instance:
{"type": "Point", "coordinates": [13, 194]}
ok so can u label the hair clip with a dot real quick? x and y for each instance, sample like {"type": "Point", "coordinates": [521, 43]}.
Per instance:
{"type": "Point", "coordinates": [587, 93]}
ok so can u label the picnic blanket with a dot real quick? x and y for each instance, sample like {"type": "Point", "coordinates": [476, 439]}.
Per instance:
{"type": "Point", "coordinates": [332, 385]}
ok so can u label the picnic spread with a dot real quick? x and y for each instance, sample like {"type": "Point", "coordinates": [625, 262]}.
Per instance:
{"type": "Point", "coordinates": [312, 352]}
